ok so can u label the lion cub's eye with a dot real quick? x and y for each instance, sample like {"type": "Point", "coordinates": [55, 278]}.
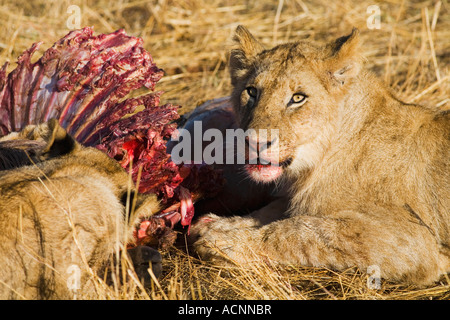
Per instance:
{"type": "Point", "coordinates": [298, 99]}
{"type": "Point", "coordinates": [252, 92]}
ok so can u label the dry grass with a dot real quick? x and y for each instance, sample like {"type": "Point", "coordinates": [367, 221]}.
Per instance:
{"type": "Point", "coordinates": [190, 40]}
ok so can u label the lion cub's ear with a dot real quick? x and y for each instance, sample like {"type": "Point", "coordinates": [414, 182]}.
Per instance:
{"type": "Point", "coordinates": [344, 60]}
{"type": "Point", "coordinates": [243, 55]}
{"type": "Point", "coordinates": [58, 141]}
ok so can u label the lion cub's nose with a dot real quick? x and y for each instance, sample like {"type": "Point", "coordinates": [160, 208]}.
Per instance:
{"type": "Point", "coordinates": [259, 150]}
{"type": "Point", "coordinates": [258, 144]}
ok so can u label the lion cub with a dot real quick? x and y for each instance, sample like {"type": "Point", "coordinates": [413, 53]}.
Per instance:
{"type": "Point", "coordinates": [62, 218]}
{"type": "Point", "coordinates": [369, 175]}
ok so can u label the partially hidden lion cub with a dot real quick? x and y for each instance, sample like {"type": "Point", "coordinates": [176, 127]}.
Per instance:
{"type": "Point", "coordinates": [368, 175]}
{"type": "Point", "coordinates": [62, 218]}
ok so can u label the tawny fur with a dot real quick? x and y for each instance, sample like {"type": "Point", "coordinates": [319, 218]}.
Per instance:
{"type": "Point", "coordinates": [65, 210]}
{"type": "Point", "coordinates": [368, 174]}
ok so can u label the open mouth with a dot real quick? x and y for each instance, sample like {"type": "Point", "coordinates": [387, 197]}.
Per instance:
{"type": "Point", "coordinates": [267, 172]}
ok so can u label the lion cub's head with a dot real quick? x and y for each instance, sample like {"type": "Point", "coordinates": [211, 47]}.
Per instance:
{"type": "Point", "coordinates": [294, 88]}
{"type": "Point", "coordinates": [48, 149]}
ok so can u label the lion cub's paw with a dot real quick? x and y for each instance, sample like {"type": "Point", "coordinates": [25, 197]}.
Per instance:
{"type": "Point", "coordinates": [220, 239]}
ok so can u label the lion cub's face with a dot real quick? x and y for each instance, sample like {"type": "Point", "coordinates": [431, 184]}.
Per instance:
{"type": "Point", "coordinates": [294, 88]}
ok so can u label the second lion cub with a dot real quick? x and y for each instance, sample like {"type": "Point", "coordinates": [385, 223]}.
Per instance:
{"type": "Point", "coordinates": [368, 175]}
{"type": "Point", "coordinates": [64, 217]}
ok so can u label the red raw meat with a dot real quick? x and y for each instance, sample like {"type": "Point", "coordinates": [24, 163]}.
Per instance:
{"type": "Point", "coordinates": [83, 80]}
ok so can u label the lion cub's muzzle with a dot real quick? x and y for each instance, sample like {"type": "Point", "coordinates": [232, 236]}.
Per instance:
{"type": "Point", "coordinates": [262, 158]}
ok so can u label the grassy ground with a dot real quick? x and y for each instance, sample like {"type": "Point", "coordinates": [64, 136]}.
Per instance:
{"type": "Point", "coordinates": [190, 40]}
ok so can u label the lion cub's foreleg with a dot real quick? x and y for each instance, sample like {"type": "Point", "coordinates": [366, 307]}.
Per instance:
{"type": "Point", "coordinates": [338, 241]}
